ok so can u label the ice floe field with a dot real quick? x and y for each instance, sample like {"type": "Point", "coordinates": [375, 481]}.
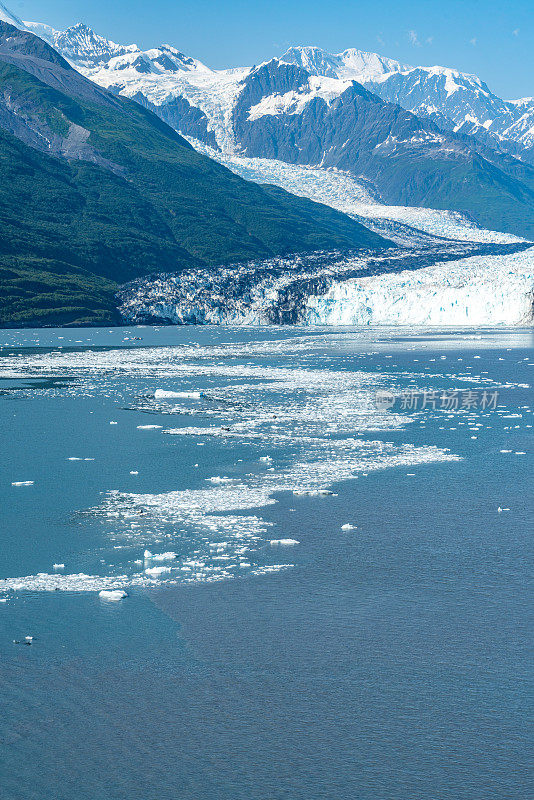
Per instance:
{"type": "Point", "coordinates": [174, 498]}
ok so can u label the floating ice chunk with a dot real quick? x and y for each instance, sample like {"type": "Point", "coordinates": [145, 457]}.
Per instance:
{"type": "Point", "coordinates": [134, 472]}
{"type": "Point", "coordinates": [74, 458]}
{"type": "Point", "coordinates": [505, 451]}
{"type": "Point", "coordinates": [169, 556]}
{"type": "Point", "coordinates": [148, 427]}
{"type": "Point", "coordinates": [520, 453]}
{"type": "Point", "coordinates": [348, 527]}
{"type": "Point", "coordinates": [113, 422]}
{"type": "Point", "coordinates": [147, 554]}
{"type": "Point", "coordinates": [163, 394]}
{"type": "Point", "coordinates": [218, 479]}
{"type": "Point", "coordinates": [155, 571]}
{"type": "Point", "coordinates": [112, 594]}
{"type": "Point", "coordinates": [3, 599]}
{"type": "Point", "coordinates": [266, 459]}
{"type": "Point", "coordinates": [283, 542]}
{"type": "Point", "coordinates": [58, 566]}
{"type": "Point", "coordinates": [22, 483]}
{"type": "Point", "coordinates": [29, 638]}
{"type": "Point", "coordinates": [500, 510]}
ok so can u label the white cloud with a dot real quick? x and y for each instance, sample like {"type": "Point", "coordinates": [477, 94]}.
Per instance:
{"type": "Point", "coordinates": [412, 36]}
{"type": "Point", "coordinates": [516, 32]}
{"type": "Point", "coordinates": [473, 41]}
{"type": "Point", "coordinates": [429, 39]}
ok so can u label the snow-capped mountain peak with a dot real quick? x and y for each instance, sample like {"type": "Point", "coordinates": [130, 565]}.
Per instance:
{"type": "Point", "coordinates": [351, 64]}
{"type": "Point", "coordinates": [80, 44]}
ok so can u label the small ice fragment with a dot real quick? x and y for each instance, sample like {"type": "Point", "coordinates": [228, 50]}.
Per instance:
{"type": "Point", "coordinates": [169, 556]}
{"type": "Point", "coordinates": [112, 594]}
{"type": "Point", "coordinates": [313, 492]}
{"type": "Point", "coordinates": [284, 542]}
{"type": "Point", "coordinates": [148, 427]}
{"type": "Point", "coordinates": [29, 638]}
{"type": "Point", "coordinates": [147, 554]}
{"type": "Point", "coordinates": [348, 527]}
{"type": "Point", "coordinates": [162, 394]}
{"type": "Point", "coordinates": [266, 459]}
{"type": "Point", "coordinates": [134, 472]}
{"type": "Point", "coordinates": [113, 423]}
{"type": "Point", "coordinates": [157, 570]}
{"type": "Point", "coordinates": [58, 566]}
{"type": "Point", "coordinates": [520, 453]}
{"type": "Point", "coordinates": [22, 483]}
{"type": "Point", "coordinates": [500, 510]}
{"type": "Point", "coordinates": [74, 458]}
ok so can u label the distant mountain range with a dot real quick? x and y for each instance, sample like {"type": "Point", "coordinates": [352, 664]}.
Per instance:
{"type": "Point", "coordinates": [431, 137]}
{"type": "Point", "coordinates": [97, 190]}
{"type": "Point", "coordinates": [456, 101]}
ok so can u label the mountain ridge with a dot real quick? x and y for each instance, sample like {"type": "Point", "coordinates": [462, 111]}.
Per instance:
{"type": "Point", "coordinates": [96, 190]}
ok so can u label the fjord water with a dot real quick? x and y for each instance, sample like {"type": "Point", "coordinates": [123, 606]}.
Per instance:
{"type": "Point", "coordinates": [389, 662]}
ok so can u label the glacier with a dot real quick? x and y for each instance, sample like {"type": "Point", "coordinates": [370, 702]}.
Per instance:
{"type": "Point", "coordinates": [472, 291]}
{"type": "Point", "coordinates": [445, 270]}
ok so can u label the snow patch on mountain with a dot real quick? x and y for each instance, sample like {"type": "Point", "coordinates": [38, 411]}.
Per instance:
{"type": "Point", "coordinates": [164, 74]}
{"type": "Point", "coordinates": [293, 102]}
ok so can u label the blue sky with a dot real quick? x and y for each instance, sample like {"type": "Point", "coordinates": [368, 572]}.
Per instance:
{"type": "Point", "coordinates": [494, 40]}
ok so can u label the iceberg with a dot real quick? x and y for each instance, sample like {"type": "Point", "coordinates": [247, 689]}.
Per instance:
{"type": "Point", "coordinates": [112, 594]}
{"type": "Point", "coordinates": [283, 542]}
{"type": "Point", "coordinates": [155, 571]}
